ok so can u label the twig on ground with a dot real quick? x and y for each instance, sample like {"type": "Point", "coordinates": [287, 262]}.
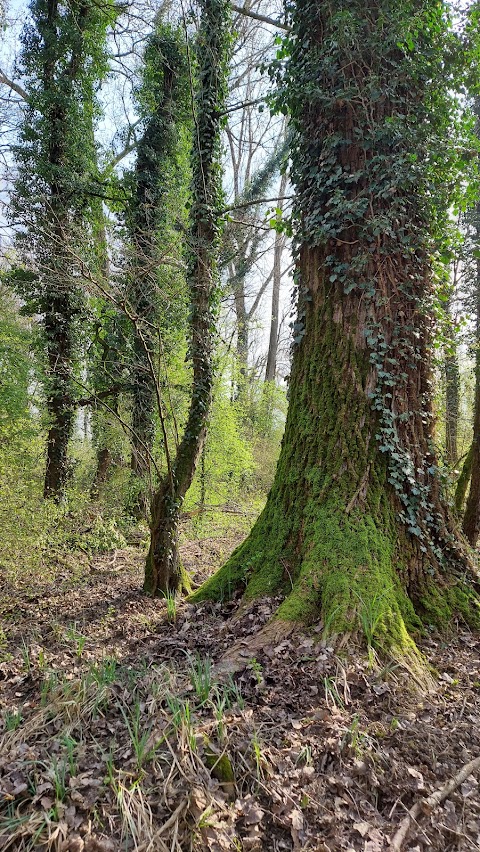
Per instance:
{"type": "Point", "coordinates": [432, 802]}
{"type": "Point", "coordinates": [171, 819]}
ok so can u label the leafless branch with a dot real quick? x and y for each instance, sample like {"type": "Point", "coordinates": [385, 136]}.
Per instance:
{"type": "Point", "coordinates": [257, 201]}
{"type": "Point", "coordinates": [15, 87]}
{"type": "Point", "coordinates": [242, 10]}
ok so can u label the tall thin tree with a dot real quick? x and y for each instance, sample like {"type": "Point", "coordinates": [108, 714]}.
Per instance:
{"type": "Point", "coordinates": [62, 60]}
{"type": "Point", "coordinates": [151, 219]}
{"type": "Point", "coordinates": [163, 571]}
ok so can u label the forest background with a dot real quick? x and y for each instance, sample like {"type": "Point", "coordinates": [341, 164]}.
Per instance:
{"type": "Point", "coordinates": [191, 225]}
{"type": "Point", "coordinates": [126, 259]}
{"type": "Point", "coordinates": [117, 410]}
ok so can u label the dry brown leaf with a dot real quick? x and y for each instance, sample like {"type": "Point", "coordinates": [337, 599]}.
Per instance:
{"type": "Point", "coordinates": [362, 827]}
{"type": "Point", "coordinates": [253, 815]}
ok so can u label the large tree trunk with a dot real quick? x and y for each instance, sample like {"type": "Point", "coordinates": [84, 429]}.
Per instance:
{"type": "Point", "coordinates": [471, 520]}
{"type": "Point", "coordinates": [355, 531]}
{"type": "Point", "coordinates": [162, 570]}
{"type": "Point", "coordinates": [333, 535]}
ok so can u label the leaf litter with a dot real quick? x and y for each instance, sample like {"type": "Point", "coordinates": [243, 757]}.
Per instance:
{"type": "Point", "coordinates": [122, 730]}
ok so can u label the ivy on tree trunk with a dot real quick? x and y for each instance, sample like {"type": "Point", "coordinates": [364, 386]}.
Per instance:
{"type": "Point", "coordinates": [162, 98]}
{"type": "Point", "coordinates": [471, 519]}
{"type": "Point", "coordinates": [162, 570]}
{"type": "Point", "coordinates": [62, 60]}
{"type": "Point", "coordinates": [356, 532]}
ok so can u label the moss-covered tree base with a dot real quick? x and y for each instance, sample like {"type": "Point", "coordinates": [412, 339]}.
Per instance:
{"type": "Point", "coordinates": [348, 576]}
{"type": "Point", "coordinates": [164, 572]}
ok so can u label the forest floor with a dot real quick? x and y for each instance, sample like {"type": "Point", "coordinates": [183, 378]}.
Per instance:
{"type": "Point", "coordinates": [120, 731]}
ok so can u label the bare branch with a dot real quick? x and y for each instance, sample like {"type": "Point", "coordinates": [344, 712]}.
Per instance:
{"type": "Point", "coordinates": [433, 801]}
{"type": "Point", "coordinates": [257, 201]}
{"type": "Point", "coordinates": [128, 147]}
{"type": "Point", "coordinates": [15, 87]}
{"type": "Point", "coordinates": [97, 397]}
{"type": "Point", "coordinates": [243, 105]}
{"type": "Point", "coordinates": [242, 10]}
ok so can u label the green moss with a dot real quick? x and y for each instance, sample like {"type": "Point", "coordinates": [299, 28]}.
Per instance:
{"type": "Point", "coordinates": [465, 602]}
{"type": "Point", "coordinates": [220, 767]}
{"type": "Point", "coordinates": [185, 586]}
{"type": "Point", "coordinates": [344, 573]}
{"type": "Point", "coordinates": [439, 605]}
{"type": "Point", "coordinates": [347, 577]}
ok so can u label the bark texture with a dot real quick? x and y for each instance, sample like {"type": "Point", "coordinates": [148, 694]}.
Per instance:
{"type": "Point", "coordinates": [452, 407]}
{"type": "Point", "coordinates": [471, 520]}
{"type": "Point", "coordinates": [279, 245]}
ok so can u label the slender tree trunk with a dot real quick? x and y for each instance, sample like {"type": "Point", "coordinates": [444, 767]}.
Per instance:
{"type": "Point", "coordinates": [103, 445]}
{"type": "Point", "coordinates": [58, 306]}
{"type": "Point", "coordinates": [203, 480]}
{"type": "Point", "coordinates": [60, 406]}
{"type": "Point", "coordinates": [242, 329]}
{"type": "Point", "coordinates": [156, 158]}
{"type": "Point", "coordinates": [355, 530]}
{"type": "Point", "coordinates": [104, 461]}
{"type": "Point", "coordinates": [452, 406]}
{"type": "Point", "coordinates": [463, 482]}
{"type": "Point", "coordinates": [243, 243]}
{"type": "Point", "coordinates": [279, 245]}
{"type": "Point", "coordinates": [162, 570]}
{"type": "Point", "coordinates": [103, 371]}
{"type": "Point", "coordinates": [142, 296]}
{"type": "Point", "coordinates": [143, 407]}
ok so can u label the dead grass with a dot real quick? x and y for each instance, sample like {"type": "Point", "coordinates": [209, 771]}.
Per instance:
{"type": "Point", "coordinates": [124, 731]}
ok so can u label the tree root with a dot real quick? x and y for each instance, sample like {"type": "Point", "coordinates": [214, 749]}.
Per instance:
{"type": "Point", "coordinates": [237, 657]}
